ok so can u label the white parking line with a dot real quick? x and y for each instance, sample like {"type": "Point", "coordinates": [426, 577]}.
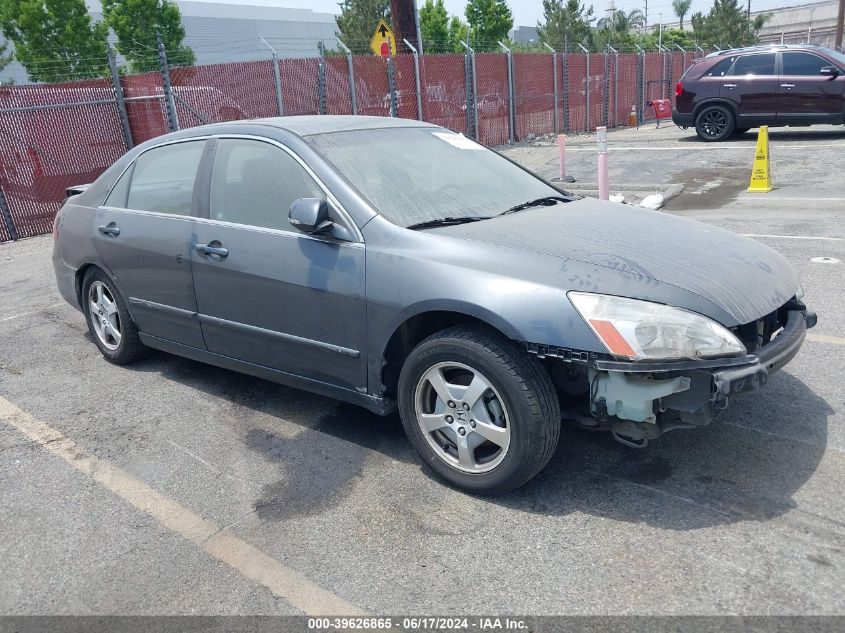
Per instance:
{"type": "Point", "coordinates": [795, 237]}
{"type": "Point", "coordinates": [680, 148]}
{"type": "Point", "coordinates": [826, 338]}
{"type": "Point", "coordinates": [247, 560]}
{"type": "Point", "coordinates": [23, 314]}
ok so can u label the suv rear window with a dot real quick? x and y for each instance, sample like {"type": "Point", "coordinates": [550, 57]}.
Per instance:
{"type": "Point", "coordinates": [754, 65]}
{"type": "Point", "coordinates": [720, 69]}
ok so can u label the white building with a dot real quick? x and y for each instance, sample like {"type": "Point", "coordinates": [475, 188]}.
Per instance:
{"type": "Point", "coordinates": [221, 32]}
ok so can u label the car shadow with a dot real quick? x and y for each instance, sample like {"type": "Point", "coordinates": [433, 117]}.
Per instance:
{"type": "Point", "coordinates": [776, 134]}
{"type": "Point", "coordinates": [745, 466]}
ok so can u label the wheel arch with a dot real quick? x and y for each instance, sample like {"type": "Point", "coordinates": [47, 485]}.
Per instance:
{"type": "Point", "coordinates": [414, 327]}
{"type": "Point", "coordinates": [730, 105]}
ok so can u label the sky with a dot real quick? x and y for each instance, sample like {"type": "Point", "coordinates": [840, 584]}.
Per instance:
{"type": "Point", "coordinates": [529, 12]}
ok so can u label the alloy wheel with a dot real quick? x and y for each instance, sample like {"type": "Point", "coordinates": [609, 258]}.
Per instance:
{"type": "Point", "coordinates": [104, 315]}
{"type": "Point", "coordinates": [714, 123]}
{"type": "Point", "coordinates": [462, 417]}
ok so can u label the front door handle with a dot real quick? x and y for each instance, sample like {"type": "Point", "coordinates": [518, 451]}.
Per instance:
{"type": "Point", "coordinates": [787, 85]}
{"type": "Point", "coordinates": [110, 229]}
{"type": "Point", "coordinates": [731, 86]}
{"type": "Point", "coordinates": [213, 250]}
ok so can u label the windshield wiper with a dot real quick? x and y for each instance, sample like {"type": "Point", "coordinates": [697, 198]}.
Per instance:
{"type": "Point", "coordinates": [547, 201]}
{"type": "Point", "coordinates": [447, 221]}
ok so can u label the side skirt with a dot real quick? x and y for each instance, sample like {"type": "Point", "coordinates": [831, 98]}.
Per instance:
{"type": "Point", "coordinates": [379, 406]}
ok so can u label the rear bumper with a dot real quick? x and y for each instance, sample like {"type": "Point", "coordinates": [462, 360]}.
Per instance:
{"type": "Point", "coordinates": [684, 119]}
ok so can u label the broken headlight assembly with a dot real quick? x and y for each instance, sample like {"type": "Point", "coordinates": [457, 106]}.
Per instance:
{"type": "Point", "coordinates": [631, 329]}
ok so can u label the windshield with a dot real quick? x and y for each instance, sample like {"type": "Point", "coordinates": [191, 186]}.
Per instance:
{"type": "Point", "coordinates": [839, 57]}
{"type": "Point", "coordinates": [416, 175]}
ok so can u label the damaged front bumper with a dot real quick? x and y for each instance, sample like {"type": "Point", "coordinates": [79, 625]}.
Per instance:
{"type": "Point", "coordinates": [628, 396]}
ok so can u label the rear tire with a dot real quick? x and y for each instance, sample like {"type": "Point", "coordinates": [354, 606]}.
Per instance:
{"type": "Point", "coordinates": [480, 412]}
{"type": "Point", "coordinates": [714, 123]}
{"type": "Point", "coordinates": [111, 327]}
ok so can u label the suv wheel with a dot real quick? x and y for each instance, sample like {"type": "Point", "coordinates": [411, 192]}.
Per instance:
{"type": "Point", "coordinates": [479, 410]}
{"type": "Point", "coordinates": [109, 322]}
{"type": "Point", "coordinates": [714, 123]}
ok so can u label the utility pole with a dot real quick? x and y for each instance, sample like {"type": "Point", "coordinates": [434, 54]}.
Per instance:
{"type": "Point", "coordinates": [404, 21]}
{"type": "Point", "coordinates": [645, 16]}
{"type": "Point", "coordinates": [748, 13]}
{"type": "Point", "coordinates": [660, 37]}
{"type": "Point", "coordinates": [840, 19]}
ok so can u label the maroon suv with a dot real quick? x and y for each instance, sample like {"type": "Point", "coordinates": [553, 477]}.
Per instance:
{"type": "Point", "coordinates": [732, 91]}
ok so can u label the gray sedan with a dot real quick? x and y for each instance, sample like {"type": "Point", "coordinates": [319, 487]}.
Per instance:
{"type": "Point", "coordinates": [398, 265]}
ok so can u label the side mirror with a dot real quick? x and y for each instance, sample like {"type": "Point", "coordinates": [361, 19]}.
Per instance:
{"type": "Point", "coordinates": [310, 215]}
{"type": "Point", "coordinates": [829, 71]}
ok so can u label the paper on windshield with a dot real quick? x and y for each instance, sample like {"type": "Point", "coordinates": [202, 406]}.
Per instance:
{"type": "Point", "coordinates": [457, 140]}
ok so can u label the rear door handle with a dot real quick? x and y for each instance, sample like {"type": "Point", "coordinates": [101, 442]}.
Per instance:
{"type": "Point", "coordinates": [109, 229]}
{"type": "Point", "coordinates": [787, 85]}
{"type": "Point", "coordinates": [213, 250]}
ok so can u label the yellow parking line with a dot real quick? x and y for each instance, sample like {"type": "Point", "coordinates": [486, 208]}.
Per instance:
{"type": "Point", "coordinates": [826, 338]}
{"type": "Point", "coordinates": [247, 560]}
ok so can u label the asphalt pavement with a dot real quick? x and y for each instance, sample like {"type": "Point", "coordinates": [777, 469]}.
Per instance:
{"type": "Point", "coordinates": [173, 487]}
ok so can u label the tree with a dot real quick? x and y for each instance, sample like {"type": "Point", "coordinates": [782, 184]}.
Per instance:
{"type": "Point", "coordinates": [136, 23]}
{"type": "Point", "coordinates": [55, 40]}
{"type": "Point", "coordinates": [357, 22]}
{"type": "Point", "coordinates": [458, 31]}
{"type": "Point", "coordinates": [5, 57]}
{"type": "Point", "coordinates": [434, 27]}
{"type": "Point", "coordinates": [681, 8]}
{"type": "Point", "coordinates": [489, 22]}
{"type": "Point", "coordinates": [565, 19]}
{"type": "Point", "coordinates": [726, 25]}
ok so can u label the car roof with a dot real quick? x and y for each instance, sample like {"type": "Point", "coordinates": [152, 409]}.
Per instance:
{"type": "Point", "coordinates": [322, 124]}
{"type": "Point", "coordinates": [766, 48]}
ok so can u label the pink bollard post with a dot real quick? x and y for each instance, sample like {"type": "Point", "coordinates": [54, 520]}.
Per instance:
{"type": "Point", "coordinates": [561, 145]}
{"type": "Point", "coordinates": [604, 184]}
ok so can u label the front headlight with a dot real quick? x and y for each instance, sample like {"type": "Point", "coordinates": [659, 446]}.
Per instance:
{"type": "Point", "coordinates": [642, 330]}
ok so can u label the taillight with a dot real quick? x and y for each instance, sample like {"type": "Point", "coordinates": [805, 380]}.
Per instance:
{"type": "Point", "coordinates": [679, 88]}
{"type": "Point", "coordinates": [56, 226]}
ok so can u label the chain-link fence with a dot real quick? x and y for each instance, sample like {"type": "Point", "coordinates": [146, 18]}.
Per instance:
{"type": "Point", "coordinates": [56, 135]}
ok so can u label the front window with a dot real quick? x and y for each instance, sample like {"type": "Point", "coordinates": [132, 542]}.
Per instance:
{"type": "Point", "coordinates": [415, 175]}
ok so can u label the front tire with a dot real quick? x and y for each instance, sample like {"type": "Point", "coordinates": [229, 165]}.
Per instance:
{"type": "Point", "coordinates": [714, 123]}
{"type": "Point", "coordinates": [480, 412]}
{"type": "Point", "coordinates": [111, 327]}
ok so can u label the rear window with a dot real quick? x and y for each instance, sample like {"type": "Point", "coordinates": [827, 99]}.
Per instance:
{"type": "Point", "coordinates": [163, 178]}
{"type": "Point", "coordinates": [720, 69]}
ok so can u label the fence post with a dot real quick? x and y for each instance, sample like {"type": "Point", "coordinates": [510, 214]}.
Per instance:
{"type": "Point", "coordinates": [471, 95]}
{"type": "Point", "coordinates": [321, 84]}
{"type": "Point", "coordinates": [350, 64]}
{"type": "Point", "coordinates": [640, 84]}
{"type": "Point", "coordinates": [121, 102]}
{"type": "Point", "coordinates": [615, 85]}
{"type": "Point", "coordinates": [391, 85]}
{"type": "Point", "coordinates": [277, 79]}
{"type": "Point", "coordinates": [606, 89]}
{"type": "Point", "coordinates": [555, 127]}
{"type": "Point", "coordinates": [565, 60]}
{"type": "Point", "coordinates": [511, 96]}
{"type": "Point", "coordinates": [417, 78]}
{"type": "Point", "coordinates": [586, 88]}
{"type": "Point", "coordinates": [7, 216]}
{"type": "Point", "coordinates": [683, 59]}
{"type": "Point", "coordinates": [169, 101]}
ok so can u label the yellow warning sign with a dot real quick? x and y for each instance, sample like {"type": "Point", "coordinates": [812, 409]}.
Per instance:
{"type": "Point", "coordinates": [383, 43]}
{"type": "Point", "coordinates": [761, 176]}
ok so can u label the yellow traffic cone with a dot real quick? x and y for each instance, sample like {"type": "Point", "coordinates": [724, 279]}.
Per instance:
{"type": "Point", "coordinates": [761, 177]}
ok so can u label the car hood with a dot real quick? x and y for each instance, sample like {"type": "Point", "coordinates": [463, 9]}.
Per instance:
{"type": "Point", "coordinates": [745, 278]}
